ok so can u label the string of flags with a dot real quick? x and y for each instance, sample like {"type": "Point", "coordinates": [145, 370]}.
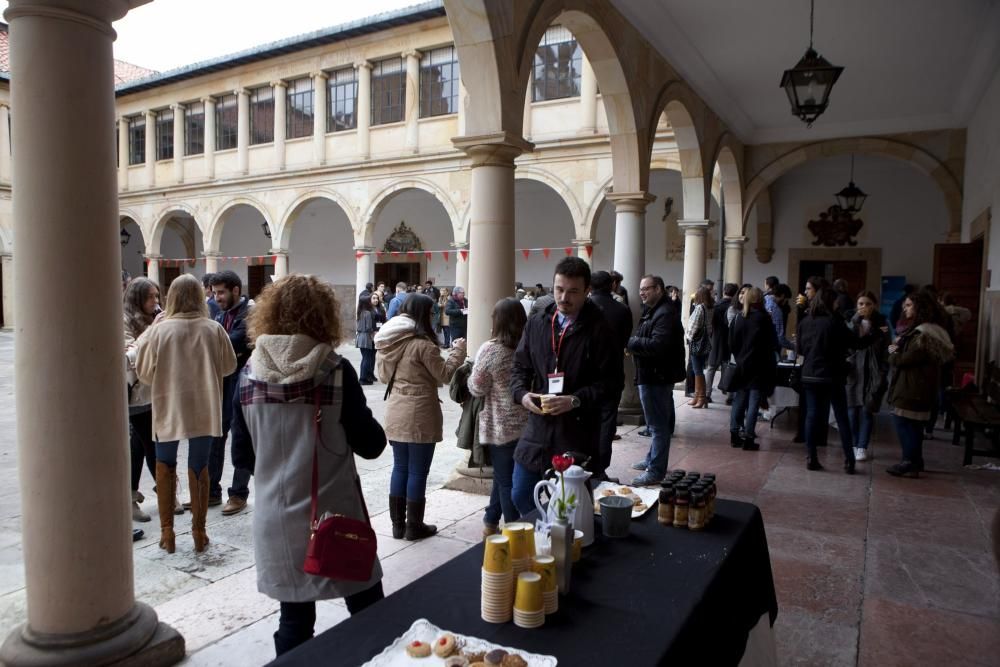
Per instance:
{"type": "Point", "coordinates": [249, 259]}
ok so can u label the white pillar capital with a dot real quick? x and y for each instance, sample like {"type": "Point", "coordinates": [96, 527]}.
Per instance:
{"type": "Point", "coordinates": [630, 202]}
{"type": "Point", "coordinates": [413, 53]}
{"type": "Point", "coordinates": [735, 242]}
{"type": "Point", "coordinates": [319, 76]}
{"type": "Point", "coordinates": [241, 91]}
{"type": "Point", "coordinates": [695, 227]}
{"type": "Point", "coordinates": [493, 150]}
{"type": "Point", "coordinates": [279, 84]}
{"type": "Point", "coordinates": [207, 100]}
{"type": "Point", "coordinates": [177, 107]}
{"type": "Point", "coordinates": [363, 64]}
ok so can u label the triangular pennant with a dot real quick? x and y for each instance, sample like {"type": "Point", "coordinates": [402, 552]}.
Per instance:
{"type": "Point", "coordinates": [526, 252]}
{"type": "Point", "coordinates": [569, 251]}
{"type": "Point", "coordinates": [427, 256]}
{"type": "Point", "coordinates": [546, 251]}
{"type": "Point", "coordinates": [590, 250]}
{"type": "Point", "coordinates": [394, 253]}
{"type": "Point", "coordinates": [464, 254]}
{"type": "Point", "coordinates": [378, 255]}
{"type": "Point", "coordinates": [410, 253]}
{"type": "Point", "coordinates": [446, 254]}
{"type": "Point", "coordinates": [274, 259]}
{"type": "Point", "coordinates": [359, 255]}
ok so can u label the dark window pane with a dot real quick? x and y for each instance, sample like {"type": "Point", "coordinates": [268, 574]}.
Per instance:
{"type": "Point", "coordinates": [388, 91]}
{"type": "Point", "coordinates": [165, 134]}
{"type": "Point", "coordinates": [557, 66]}
{"type": "Point", "coordinates": [226, 122]}
{"type": "Point", "coordinates": [137, 139]}
{"type": "Point", "coordinates": [439, 77]}
{"type": "Point", "coordinates": [342, 97]}
{"type": "Point", "coordinates": [261, 115]}
{"type": "Point", "coordinates": [194, 129]}
{"type": "Point", "coordinates": [299, 109]}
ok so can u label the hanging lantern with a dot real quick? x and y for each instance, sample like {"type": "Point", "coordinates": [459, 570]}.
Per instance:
{"type": "Point", "coordinates": [125, 237]}
{"type": "Point", "coordinates": [851, 198]}
{"type": "Point", "coordinates": [809, 83]}
{"type": "Point", "coordinates": [266, 228]}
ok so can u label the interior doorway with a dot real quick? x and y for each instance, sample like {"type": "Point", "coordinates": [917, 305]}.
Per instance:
{"type": "Point", "coordinates": [391, 273]}
{"type": "Point", "coordinates": [958, 272]}
{"type": "Point", "coordinates": [855, 272]}
{"type": "Point", "coordinates": [258, 276]}
{"type": "Point", "coordinates": [168, 274]}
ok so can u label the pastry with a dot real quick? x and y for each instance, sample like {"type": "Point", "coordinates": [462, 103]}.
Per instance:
{"type": "Point", "coordinates": [477, 664]}
{"type": "Point", "coordinates": [495, 657]}
{"type": "Point", "coordinates": [478, 656]}
{"type": "Point", "coordinates": [418, 649]}
{"type": "Point", "coordinates": [456, 661]}
{"type": "Point", "coordinates": [640, 507]}
{"type": "Point", "coordinates": [445, 645]}
{"type": "Point", "coordinates": [607, 492]}
{"type": "Point", "coordinates": [514, 660]}
{"type": "Point", "coordinates": [625, 491]}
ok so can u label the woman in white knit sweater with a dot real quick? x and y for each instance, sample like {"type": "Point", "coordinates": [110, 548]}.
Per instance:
{"type": "Point", "coordinates": [501, 419]}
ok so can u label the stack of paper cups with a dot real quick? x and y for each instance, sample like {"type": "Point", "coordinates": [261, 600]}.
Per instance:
{"type": "Point", "coordinates": [520, 557]}
{"type": "Point", "coordinates": [498, 579]}
{"type": "Point", "coordinates": [529, 607]}
{"type": "Point", "coordinates": [545, 566]}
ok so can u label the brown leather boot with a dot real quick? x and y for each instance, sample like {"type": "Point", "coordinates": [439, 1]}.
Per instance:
{"type": "Point", "coordinates": [165, 477]}
{"type": "Point", "coordinates": [199, 507]}
{"type": "Point", "coordinates": [699, 392]}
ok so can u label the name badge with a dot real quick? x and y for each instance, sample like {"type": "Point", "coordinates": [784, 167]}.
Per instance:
{"type": "Point", "coordinates": [556, 382]}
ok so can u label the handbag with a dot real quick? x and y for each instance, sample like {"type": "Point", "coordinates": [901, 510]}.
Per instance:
{"type": "Point", "coordinates": [728, 377]}
{"type": "Point", "coordinates": [339, 547]}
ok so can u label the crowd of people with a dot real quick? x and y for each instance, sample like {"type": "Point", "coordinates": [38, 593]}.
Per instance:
{"type": "Point", "coordinates": [548, 381]}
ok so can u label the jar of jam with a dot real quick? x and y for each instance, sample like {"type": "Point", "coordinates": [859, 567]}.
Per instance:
{"type": "Point", "coordinates": [665, 510]}
{"type": "Point", "coordinates": [679, 473]}
{"type": "Point", "coordinates": [682, 501]}
{"type": "Point", "coordinates": [696, 512]}
{"type": "Point", "coordinates": [710, 502]}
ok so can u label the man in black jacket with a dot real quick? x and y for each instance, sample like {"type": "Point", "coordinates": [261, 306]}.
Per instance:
{"type": "Point", "coordinates": [564, 371]}
{"type": "Point", "coordinates": [658, 348]}
{"type": "Point", "coordinates": [619, 318]}
{"type": "Point", "coordinates": [719, 355]}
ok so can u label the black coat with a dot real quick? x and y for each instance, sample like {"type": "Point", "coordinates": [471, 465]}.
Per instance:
{"type": "Point", "coordinates": [457, 320]}
{"type": "Point", "coordinates": [589, 360]}
{"type": "Point", "coordinates": [753, 342]}
{"type": "Point", "coordinates": [237, 331]}
{"type": "Point", "coordinates": [719, 354]}
{"type": "Point", "coordinates": [619, 318]}
{"type": "Point", "coordinates": [824, 341]}
{"type": "Point", "coordinates": [658, 345]}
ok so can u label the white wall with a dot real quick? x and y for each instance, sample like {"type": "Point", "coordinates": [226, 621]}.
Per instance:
{"type": "Point", "coordinates": [322, 244]}
{"type": "Point", "coordinates": [429, 220]}
{"type": "Point", "coordinates": [982, 172]}
{"type": "Point", "coordinates": [541, 220]}
{"type": "Point", "coordinates": [242, 235]}
{"type": "Point", "coordinates": [132, 260]}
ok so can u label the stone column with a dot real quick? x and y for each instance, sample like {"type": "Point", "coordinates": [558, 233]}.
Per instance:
{"type": "Point", "coordinates": [695, 232]}
{"type": "Point", "coordinates": [319, 117]}
{"type": "Point", "coordinates": [463, 100]}
{"type": "Point", "coordinates": [526, 121]}
{"type": "Point", "coordinates": [211, 261]}
{"type": "Point", "coordinates": [122, 153]}
{"type": "Point", "coordinates": [461, 265]}
{"type": "Point", "coordinates": [364, 109]}
{"type": "Point", "coordinates": [280, 89]}
{"type": "Point", "coordinates": [630, 261]}
{"type": "Point", "coordinates": [733, 265]}
{"type": "Point", "coordinates": [581, 249]}
{"type": "Point", "coordinates": [491, 229]}
{"type": "Point", "coordinates": [72, 460]}
{"type": "Point", "coordinates": [280, 262]}
{"type": "Point", "coordinates": [243, 131]}
{"type": "Point", "coordinates": [153, 269]}
{"type": "Point", "coordinates": [365, 267]}
{"type": "Point", "coordinates": [178, 110]}
{"type": "Point", "coordinates": [7, 261]}
{"type": "Point", "coordinates": [588, 99]}
{"type": "Point", "coordinates": [209, 103]}
{"type": "Point", "coordinates": [150, 149]}
{"type": "Point", "coordinates": [4, 143]}
{"type": "Point", "coordinates": [412, 111]}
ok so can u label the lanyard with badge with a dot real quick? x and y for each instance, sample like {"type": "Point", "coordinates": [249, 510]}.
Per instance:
{"type": "Point", "coordinates": [556, 378]}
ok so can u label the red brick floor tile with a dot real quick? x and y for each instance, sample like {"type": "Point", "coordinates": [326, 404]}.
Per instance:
{"type": "Point", "coordinates": [893, 633]}
{"type": "Point", "coordinates": [831, 482]}
{"type": "Point", "coordinates": [921, 519]}
{"type": "Point", "coordinates": [831, 593]}
{"type": "Point", "coordinates": [820, 548]}
{"type": "Point", "coordinates": [935, 484]}
{"type": "Point", "coordinates": [928, 575]}
{"type": "Point", "coordinates": [803, 639]}
{"type": "Point", "coordinates": [823, 514]}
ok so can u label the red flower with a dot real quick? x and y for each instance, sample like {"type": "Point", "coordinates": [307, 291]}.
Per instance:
{"type": "Point", "coordinates": [561, 462]}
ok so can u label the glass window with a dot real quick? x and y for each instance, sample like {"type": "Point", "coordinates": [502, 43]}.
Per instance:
{"type": "Point", "coordinates": [165, 134]}
{"type": "Point", "coordinates": [558, 62]}
{"type": "Point", "coordinates": [194, 129]}
{"type": "Point", "coordinates": [299, 108]}
{"type": "Point", "coordinates": [226, 122]}
{"type": "Point", "coordinates": [388, 91]}
{"type": "Point", "coordinates": [261, 115]}
{"type": "Point", "coordinates": [439, 82]}
{"type": "Point", "coordinates": [137, 139]}
{"type": "Point", "coordinates": [342, 95]}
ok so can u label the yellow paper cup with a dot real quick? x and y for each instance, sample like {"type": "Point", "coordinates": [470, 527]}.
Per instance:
{"type": "Point", "coordinates": [529, 537]}
{"type": "Point", "coordinates": [518, 540]}
{"type": "Point", "coordinates": [577, 544]}
{"type": "Point", "coordinates": [496, 557]}
{"type": "Point", "coordinates": [528, 596]}
{"type": "Point", "coordinates": [545, 566]}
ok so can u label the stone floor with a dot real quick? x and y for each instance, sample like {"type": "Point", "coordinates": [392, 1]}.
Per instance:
{"type": "Point", "coordinates": [869, 570]}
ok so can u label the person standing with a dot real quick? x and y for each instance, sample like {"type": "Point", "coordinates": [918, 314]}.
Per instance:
{"type": "Point", "coordinates": [457, 310]}
{"type": "Point", "coordinates": [408, 359]}
{"type": "Point", "coordinates": [501, 420]}
{"type": "Point", "coordinates": [184, 356]}
{"type": "Point", "coordinates": [445, 320]}
{"type": "Point", "coordinates": [364, 340]}
{"type": "Point", "coordinates": [617, 289]}
{"type": "Point", "coordinates": [206, 283]}
{"type": "Point", "coordinates": [619, 318]}
{"type": "Point", "coordinates": [564, 371]}
{"type": "Point", "coordinates": [719, 354]}
{"type": "Point", "coordinates": [754, 345]}
{"type": "Point", "coordinates": [699, 337]}
{"type": "Point", "coordinates": [868, 375]}
{"type": "Point", "coordinates": [397, 301]}
{"type": "Point", "coordinates": [658, 348]}
{"type": "Point", "coordinates": [825, 341]}
{"type": "Point", "coordinates": [234, 307]}
{"type": "Point", "coordinates": [293, 377]}
{"type": "Point", "coordinates": [843, 305]}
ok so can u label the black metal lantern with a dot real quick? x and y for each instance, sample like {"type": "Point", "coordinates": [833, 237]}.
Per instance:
{"type": "Point", "coordinates": [851, 198]}
{"type": "Point", "coordinates": [266, 228]}
{"type": "Point", "coordinates": [125, 237]}
{"type": "Point", "coordinates": [809, 83]}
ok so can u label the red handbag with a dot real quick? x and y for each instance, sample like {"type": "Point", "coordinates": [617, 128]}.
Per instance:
{"type": "Point", "coordinates": [340, 547]}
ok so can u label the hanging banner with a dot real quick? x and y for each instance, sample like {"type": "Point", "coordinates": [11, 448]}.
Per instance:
{"type": "Point", "coordinates": [446, 254]}
{"type": "Point", "coordinates": [590, 250]}
{"type": "Point", "coordinates": [526, 252]}
{"type": "Point", "coordinates": [569, 251]}
{"type": "Point", "coordinates": [427, 256]}
{"type": "Point", "coordinates": [464, 254]}
{"type": "Point", "coordinates": [546, 251]}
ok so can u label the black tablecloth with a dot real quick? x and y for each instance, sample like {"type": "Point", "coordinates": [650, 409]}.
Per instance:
{"type": "Point", "coordinates": [661, 595]}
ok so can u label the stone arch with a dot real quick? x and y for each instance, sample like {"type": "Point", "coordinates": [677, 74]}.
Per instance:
{"type": "Point", "coordinates": [732, 188]}
{"type": "Point", "coordinates": [677, 101]}
{"type": "Point", "coordinates": [160, 221]}
{"type": "Point", "coordinates": [919, 158]}
{"type": "Point", "coordinates": [288, 217]}
{"type": "Point", "coordinates": [378, 202]}
{"type": "Point", "coordinates": [560, 188]}
{"type": "Point", "coordinates": [214, 235]}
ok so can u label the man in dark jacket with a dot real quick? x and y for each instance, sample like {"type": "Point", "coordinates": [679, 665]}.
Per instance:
{"type": "Point", "coordinates": [719, 355]}
{"type": "Point", "coordinates": [233, 310]}
{"type": "Point", "coordinates": [619, 318]}
{"type": "Point", "coordinates": [658, 348]}
{"type": "Point", "coordinates": [457, 310]}
{"type": "Point", "coordinates": [564, 371]}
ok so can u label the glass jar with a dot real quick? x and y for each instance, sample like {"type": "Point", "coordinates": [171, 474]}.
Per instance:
{"type": "Point", "coordinates": [696, 512]}
{"type": "Point", "coordinates": [682, 501]}
{"type": "Point", "coordinates": [665, 510]}
{"type": "Point", "coordinates": [710, 502]}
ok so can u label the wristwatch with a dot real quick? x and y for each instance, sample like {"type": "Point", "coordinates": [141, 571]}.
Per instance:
{"type": "Point", "coordinates": [575, 400]}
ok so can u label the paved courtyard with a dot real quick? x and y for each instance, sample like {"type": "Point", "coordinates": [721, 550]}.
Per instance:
{"type": "Point", "coordinates": [869, 570]}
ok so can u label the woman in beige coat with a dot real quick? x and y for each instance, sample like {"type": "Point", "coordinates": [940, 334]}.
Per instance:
{"type": "Point", "coordinates": [408, 359]}
{"type": "Point", "coordinates": [183, 356]}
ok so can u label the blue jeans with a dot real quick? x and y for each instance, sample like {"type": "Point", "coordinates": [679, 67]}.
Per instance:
{"type": "Point", "coordinates": [446, 333]}
{"type": "Point", "coordinates": [862, 424]}
{"type": "Point", "coordinates": [746, 402]}
{"type": "Point", "coordinates": [217, 457]}
{"type": "Point", "coordinates": [698, 363]}
{"type": "Point", "coordinates": [367, 371]}
{"type": "Point", "coordinates": [523, 491]}
{"type": "Point", "coordinates": [198, 448]}
{"type": "Point", "coordinates": [411, 462]}
{"type": "Point", "coordinates": [911, 438]}
{"type": "Point", "coordinates": [658, 407]}
{"type": "Point", "coordinates": [502, 457]}
{"type": "Point", "coordinates": [819, 399]}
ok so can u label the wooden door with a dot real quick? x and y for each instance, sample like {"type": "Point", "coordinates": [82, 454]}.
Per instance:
{"type": "Point", "coordinates": [258, 276]}
{"type": "Point", "coordinates": [167, 275]}
{"type": "Point", "coordinates": [958, 271]}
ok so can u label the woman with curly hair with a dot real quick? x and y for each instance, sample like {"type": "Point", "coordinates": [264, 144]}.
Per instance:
{"type": "Point", "coordinates": [300, 405]}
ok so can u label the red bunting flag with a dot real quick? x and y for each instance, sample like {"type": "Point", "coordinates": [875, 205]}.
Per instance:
{"type": "Point", "coordinates": [359, 255]}
{"type": "Point", "coordinates": [394, 253]}
{"type": "Point", "coordinates": [546, 251]}
{"type": "Point", "coordinates": [464, 254]}
{"type": "Point", "coordinates": [569, 251]}
{"type": "Point", "coordinates": [378, 255]}
{"type": "Point", "coordinates": [410, 253]}
{"type": "Point", "coordinates": [590, 250]}
{"type": "Point", "coordinates": [526, 252]}
{"type": "Point", "coordinates": [446, 254]}
{"type": "Point", "coordinates": [427, 256]}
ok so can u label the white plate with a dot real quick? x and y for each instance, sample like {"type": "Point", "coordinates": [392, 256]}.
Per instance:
{"type": "Point", "coordinates": [423, 630]}
{"type": "Point", "coordinates": [649, 496]}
